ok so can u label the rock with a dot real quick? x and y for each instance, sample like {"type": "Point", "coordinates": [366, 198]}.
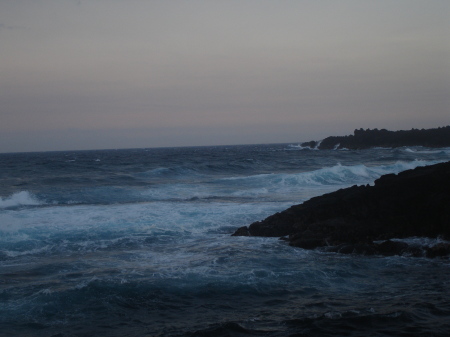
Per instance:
{"type": "Point", "coordinates": [312, 144]}
{"type": "Point", "coordinates": [441, 249]}
{"type": "Point", "coordinates": [412, 203]}
{"type": "Point", "coordinates": [390, 248]}
{"type": "Point", "coordinates": [359, 248]}
{"type": "Point", "coordinates": [243, 231]}
{"type": "Point", "coordinates": [363, 139]}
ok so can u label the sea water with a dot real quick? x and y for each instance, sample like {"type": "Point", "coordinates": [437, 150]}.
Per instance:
{"type": "Point", "coordinates": [138, 243]}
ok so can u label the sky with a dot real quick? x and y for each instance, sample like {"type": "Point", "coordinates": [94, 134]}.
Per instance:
{"type": "Point", "coordinates": [104, 74]}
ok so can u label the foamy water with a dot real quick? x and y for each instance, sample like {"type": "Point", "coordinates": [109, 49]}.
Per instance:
{"type": "Point", "coordinates": [137, 242]}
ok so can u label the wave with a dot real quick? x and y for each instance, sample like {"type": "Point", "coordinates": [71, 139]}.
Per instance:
{"type": "Point", "coordinates": [295, 186]}
{"type": "Point", "coordinates": [163, 171]}
{"type": "Point", "coordinates": [18, 199]}
{"type": "Point", "coordinates": [334, 175]}
{"type": "Point", "coordinates": [422, 150]}
{"type": "Point", "coordinates": [422, 241]}
{"type": "Point", "coordinates": [299, 147]}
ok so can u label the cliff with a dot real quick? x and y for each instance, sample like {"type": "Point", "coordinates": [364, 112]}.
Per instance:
{"type": "Point", "coordinates": [412, 203]}
{"type": "Point", "coordinates": [362, 139]}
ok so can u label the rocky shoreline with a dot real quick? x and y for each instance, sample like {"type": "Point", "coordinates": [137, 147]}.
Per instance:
{"type": "Point", "coordinates": [365, 219]}
{"type": "Point", "coordinates": [363, 139]}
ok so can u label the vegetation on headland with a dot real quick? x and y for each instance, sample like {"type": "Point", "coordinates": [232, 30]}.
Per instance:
{"type": "Point", "coordinates": [363, 139]}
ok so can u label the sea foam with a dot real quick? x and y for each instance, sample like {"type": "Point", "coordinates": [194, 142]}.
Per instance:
{"type": "Point", "coordinates": [332, 175]}
{"type": "Point", "coordinates": [22, 198]}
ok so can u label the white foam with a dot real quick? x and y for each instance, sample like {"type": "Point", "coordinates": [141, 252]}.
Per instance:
{"type": "Point", "coordinates": [296, 186]}
{"type": "Point", "coordinates": [424, 150]}
{"type": "Point", "coordinates": [337, 174]}
{"type": "Point", "coordinates": [22, 198]}
{"type": "Point", "coordinates": [298, 147]}
{"type": "Point", "coordinates": [154, 218]}
{"type": "Point", "coordinates": [422, 241]}
{"type": "Point", "coordinates": [318, 144]}
{"type": "Point", "coordinates": [304, 185]}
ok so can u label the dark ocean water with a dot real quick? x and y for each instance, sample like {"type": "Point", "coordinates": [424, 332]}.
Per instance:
{"type": "Point", "coordinates": [137, 243]}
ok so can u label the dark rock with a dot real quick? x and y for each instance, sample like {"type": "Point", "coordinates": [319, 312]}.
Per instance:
{"type": "Point", "coordinates": [312, 144]}
{"type": "Point", "coordinates": [390, 248]}
{"type": "Point", "coordinates": [242, 231]}
{"type": "Point", "coordinates": [358, 248]}
{"type": "Point", "coordinates": [386, 248]}
{"type": "Point", "coordinates": [363, 139]}
{"type": "Point", "coordinates": [441, 249]}
{"type": "Point", "coordinates": [412, 203]}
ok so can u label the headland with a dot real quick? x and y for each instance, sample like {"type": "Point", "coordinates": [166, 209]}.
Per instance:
{"type": "Point", "coordinates": [363, 139]}
{"type": "Point", "coordinates": [365, 219]}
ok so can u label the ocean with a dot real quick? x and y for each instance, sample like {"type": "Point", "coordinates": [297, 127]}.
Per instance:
{"type": "Point", "coordinates": [138, 242]}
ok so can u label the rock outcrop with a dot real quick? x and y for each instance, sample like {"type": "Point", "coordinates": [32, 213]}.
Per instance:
{"type": "Point", "coordinates": [363, 139]}
{"type": "Point", "coordinates": [358, 219]}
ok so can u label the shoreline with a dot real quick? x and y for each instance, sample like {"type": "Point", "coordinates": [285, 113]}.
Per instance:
{"type": "Point", "coordinates": [365, 219]}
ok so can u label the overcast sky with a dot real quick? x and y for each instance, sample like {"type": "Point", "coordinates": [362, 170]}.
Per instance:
{"type": "Point", "coordinates": [119, 74]}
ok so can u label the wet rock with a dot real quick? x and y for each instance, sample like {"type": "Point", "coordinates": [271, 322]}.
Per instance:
{"type": "Point", "coordinates": [441, 249]}
{"type": "Point", "coordinates": [242, 231]}
{"type": "Point", "coordinates": [412, 203]}
{"type": "Point", "coordinates": [390, 248]}
{"type": "Point", "coordinates": [358, 248]}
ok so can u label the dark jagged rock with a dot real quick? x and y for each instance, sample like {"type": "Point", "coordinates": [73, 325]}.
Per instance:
{"type": "Point", "coordinates": [412, 203]}
{"type": "Point", "coordinates": [441, 249]}
{"type": "Point", "coordinates": [385, 248]}
{"type": "Point", "coordinates": [363, 139]}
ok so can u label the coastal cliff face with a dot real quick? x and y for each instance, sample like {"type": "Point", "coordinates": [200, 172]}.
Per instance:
{"type": "Point", "coordinates": [363, 139]}
{"type": "Point", "coordinates": [412, 203]}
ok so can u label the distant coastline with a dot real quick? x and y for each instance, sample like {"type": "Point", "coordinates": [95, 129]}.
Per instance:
{"type": "Point", "coordinates": [363, 139]}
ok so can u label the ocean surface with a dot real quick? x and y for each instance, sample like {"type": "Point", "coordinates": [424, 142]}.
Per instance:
{"type": "Point", "coordinates": [137, 243]}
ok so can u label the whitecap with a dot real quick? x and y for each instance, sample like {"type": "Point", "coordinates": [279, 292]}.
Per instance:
{"type": "Point", "coordinates": [422, 241]}
{"type": "Point", "coordinates": [22, 198]}
{"type": "Point", "coordinates": [298, 147]}
{"type": "Point", "coordinates": [313, 182]}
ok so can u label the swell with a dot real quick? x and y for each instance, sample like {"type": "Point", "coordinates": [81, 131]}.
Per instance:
{"type": "Point", "coordinates": [241, 188]}
{"type": "Point", "coordinates": [195, 306]}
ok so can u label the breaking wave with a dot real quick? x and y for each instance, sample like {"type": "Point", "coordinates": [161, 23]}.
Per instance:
{"type": "Point", "coordinates": [334, 175]}
{"type": "Point", "coordinates": [18, 199]}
